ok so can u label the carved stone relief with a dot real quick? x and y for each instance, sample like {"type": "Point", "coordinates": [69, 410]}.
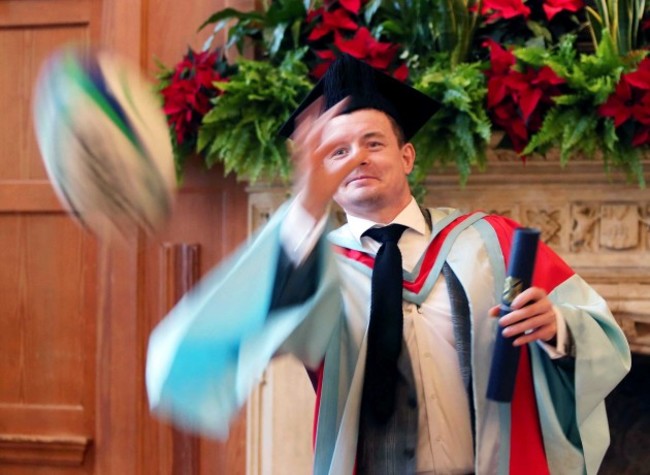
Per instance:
{"type": "Point", "coordinates": [264, 200]}
{"type": "Point", "coordinates": [630, 327]}
{"type": "Point", "coordinates": [259, 216]}
{"type": "Point", "coordinates": [507, 212]}
{"type": "Point", "coordinates": [645, 224]}
{"type": "Point", "coordinates": [584, 219]}
{"type": "Point", "coordinates": [609, 226]}
{"type": "Point", "coordinates": [549, 222]}
{"type": "Point", "coordinates": [619, 226]}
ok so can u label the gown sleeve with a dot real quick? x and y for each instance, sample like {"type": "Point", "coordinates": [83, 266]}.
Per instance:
{"type": "Point", "coordinates": [207, 354]}
{"type": "Point", "coordinates": [571, 391]}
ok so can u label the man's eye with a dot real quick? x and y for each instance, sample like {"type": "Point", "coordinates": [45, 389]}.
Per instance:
{"type": "Point", "coordinates": [339, 152]}
{"type": "Point", "coordinates": [375, 144]}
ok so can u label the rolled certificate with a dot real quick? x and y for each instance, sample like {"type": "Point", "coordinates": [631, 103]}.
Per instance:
{"type": "Point", "coordinates": [520, 273]}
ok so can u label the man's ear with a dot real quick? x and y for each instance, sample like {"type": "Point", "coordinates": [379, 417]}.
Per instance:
{"type": "Point", "coordinates": [408, 157]}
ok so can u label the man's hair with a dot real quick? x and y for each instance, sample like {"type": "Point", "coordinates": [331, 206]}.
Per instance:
{"type": "Point", "coordinates": [399, 133]}
{"type": "Point", "coordinates": [397, 130]}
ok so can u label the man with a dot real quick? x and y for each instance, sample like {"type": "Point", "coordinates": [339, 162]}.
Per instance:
{"type": "Point", "coordinates": [415, 403]}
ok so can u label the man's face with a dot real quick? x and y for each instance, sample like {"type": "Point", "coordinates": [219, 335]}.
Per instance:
{"type": "Point", "coordinates": [377, 189]}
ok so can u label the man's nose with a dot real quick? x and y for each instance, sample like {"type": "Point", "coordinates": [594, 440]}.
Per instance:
{"type": "Point", "coordinates": [362, 156]}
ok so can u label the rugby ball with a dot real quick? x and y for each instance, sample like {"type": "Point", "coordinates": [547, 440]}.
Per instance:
{"type": "Point", "coordinates": [104, 141]}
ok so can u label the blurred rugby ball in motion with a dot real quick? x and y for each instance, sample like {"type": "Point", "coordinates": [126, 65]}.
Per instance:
{"type": "Point", "coordinates": [104, 141]}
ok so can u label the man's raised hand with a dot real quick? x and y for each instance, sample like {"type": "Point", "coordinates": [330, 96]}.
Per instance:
{"type": "Point", "coordinates": [317, 178]}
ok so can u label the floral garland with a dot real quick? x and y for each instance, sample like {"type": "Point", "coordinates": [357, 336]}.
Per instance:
{"type": "Point", "coordinates": [509, 65]}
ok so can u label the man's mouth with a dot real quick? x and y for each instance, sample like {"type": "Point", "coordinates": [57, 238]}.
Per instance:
{"type": "Point", "coordinates": [360, 178]}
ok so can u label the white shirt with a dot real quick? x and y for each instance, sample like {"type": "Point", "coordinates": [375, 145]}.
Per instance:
{"type": "Point", "coordinates": [444, 427]}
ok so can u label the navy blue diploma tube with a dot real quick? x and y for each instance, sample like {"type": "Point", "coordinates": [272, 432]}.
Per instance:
{"type": "Point", "coordinates": [505, 360]}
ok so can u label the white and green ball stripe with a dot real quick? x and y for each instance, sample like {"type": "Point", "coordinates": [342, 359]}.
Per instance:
{"type": "Point", "coordinates": [104, 141]}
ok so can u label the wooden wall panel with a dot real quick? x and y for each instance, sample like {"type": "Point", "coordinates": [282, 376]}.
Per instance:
{"type": "Point", "coordinates": [31, 13]}
{"type": "Point", "coordinates": [210, 213]}
{"type": "Point", "coordinates": [179, 22]}
{"type": "Point", "coordinates": [48, 285]}
{"type": "Point", "coordinates": [10, 323]}
{"type": "Point", "coordinates": [24, 49]}
{"type": "Point", "coordinates": [210, 217]}
{"type": "Point", "coordinates": [48, 294]}
{"type": "Point", "coordinates": [120, 380]}
{"type": "Point", "coordinates": [76, 313]}
{"type": "Point", "coordinates": [48, 291]}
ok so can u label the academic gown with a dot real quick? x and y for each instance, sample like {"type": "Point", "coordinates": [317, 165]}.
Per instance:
{"type": "Point", "coordinates": [206, 355]}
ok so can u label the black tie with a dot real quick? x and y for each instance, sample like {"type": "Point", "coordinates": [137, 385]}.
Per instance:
{"type": "Point", "coordinates": [386, 322]}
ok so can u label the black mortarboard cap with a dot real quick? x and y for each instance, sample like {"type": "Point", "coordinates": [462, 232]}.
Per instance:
{"type": "Point", "coordinates": [368, 89]}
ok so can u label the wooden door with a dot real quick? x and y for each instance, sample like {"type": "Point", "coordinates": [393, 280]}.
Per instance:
{"type": "Point", "coordinates": [48, 278]}
{"type": "Point", "coordinates": [75, 313]}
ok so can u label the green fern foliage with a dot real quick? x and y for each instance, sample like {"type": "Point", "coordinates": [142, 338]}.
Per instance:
{"type": "Point", "coordinates": [242, 129]}
{"type": "Point", "coordinates": [460, 130]}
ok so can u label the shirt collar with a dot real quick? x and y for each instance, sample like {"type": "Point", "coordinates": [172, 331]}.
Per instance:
{"type": "Point", "coordinates": [411, 217]}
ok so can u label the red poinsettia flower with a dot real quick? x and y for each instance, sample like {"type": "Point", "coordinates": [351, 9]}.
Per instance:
{"type": "Point", "coordinates": [365, 47]}
{"type": "Point", "coordinates": [630, 103]}
{"type": "Point", "coordinates": [618, 105]}
{"type": "Point", "coordinates": [352, 6]}
{"type": "Point", "coordinates": [641, 138]}
{"type": "Point", "coordinates": [336, 20]}
{"type": "Point", "coordinates": [187, 97]}
{"type": "Point", "coordinates": [327, 57]}
{"type": "Point", "coordinates": [313, 14]}
{"type": "Point", "coordinates": [401, 73]}
{"type": "Point", "coordinates": [519, 88]}
{"type": "Point", "coordinates": [500, 63]}
{"type": "Point", "coordinates": [518, 100]}
{"type": "Point", "coordinates": [503, 9]}
{"type": "Point", "coordinates": [641, 110]}
{"type": "Point", "coordinates": [507, 117]}
{"type": "Point", "coordinates": [541, 86]}
{"type": "Point", "coordinates": [641, 77]}
{"type": "Point", "coordinates": [553, 7]}
{"type": "Point", "coordinates": [501, 60]}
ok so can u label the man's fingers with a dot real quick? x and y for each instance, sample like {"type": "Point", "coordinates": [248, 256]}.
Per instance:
{"type": "Point", "coordinates": [317, 176]}
{"type": "Point", "coordinates": [523, 313]}
{"type": "Point", "coordinates": [312, 119]}
{"type": "Point", "coordinates": [530, 324]}
{"type": "Point", "coordinates": [309, 115]}
{"type": "Point", "coordinates": [544, 333]}
{"type": "Point", "coordinates": [337, 169]}
{"type": "Point", "coordinates": [313, 132]}
{"type": "Point", "coordinates": [531, 294]}
{"type": "Point", "coordinates": [540, 327]}
{"type": "Point", "coordinates": [335, 110]}
{"type": "Point", "coordinates": [314, 112]}
{"type": "Point", "coordinates": [307, 134]}
{"type": "Point", "coordinates": [304, 124]}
